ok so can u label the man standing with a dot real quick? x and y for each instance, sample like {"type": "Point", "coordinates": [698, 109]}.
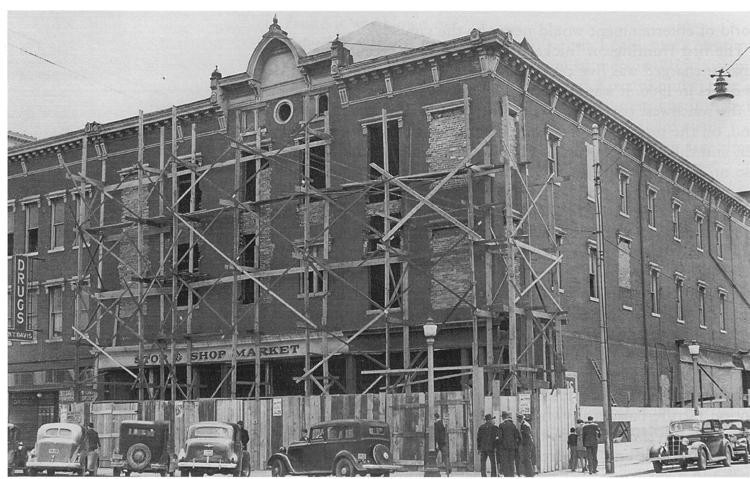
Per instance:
{"type": "Point", "coordinates": [526, 449]}
{"type": "Point", "coordinates": [572, 450]}
{"type": "Point", "coordinates": [508, 441]}
{"type": "Point", "coordinates": [90, 448]}
{"type": "Point", "coordinates": [591, 435]}
{"type": "Point", "coordinates": [580, 448]}
{"type": "Point", "coordinates": [244, 435]}
{"type": "Point", "coordinates": [441, 443]}
{"type": "Point", "coordinates": [486, 445]}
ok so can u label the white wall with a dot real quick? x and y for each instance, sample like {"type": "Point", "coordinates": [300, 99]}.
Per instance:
{"type": "Point", "coordinates": [649, 426]}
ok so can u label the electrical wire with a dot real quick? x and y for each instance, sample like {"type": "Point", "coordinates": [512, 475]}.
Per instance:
{"type": "Point", "coordinates": [738, 59]}
{"type": "Point", "coordinates": [376, 45]}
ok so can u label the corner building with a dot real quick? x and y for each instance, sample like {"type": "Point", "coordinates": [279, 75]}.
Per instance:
{"type": "Point", "coordinates": [317, 209]}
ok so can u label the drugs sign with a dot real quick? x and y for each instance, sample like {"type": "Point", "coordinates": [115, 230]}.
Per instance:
{"type": "Point", "coordinates": [18, 326]}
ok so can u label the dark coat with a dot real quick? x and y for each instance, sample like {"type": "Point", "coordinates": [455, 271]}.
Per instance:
{"type": "Point", "coordinates": [244, 437]}
{"type": "Point", "coordinates": [509, 438]}
{"type": "Point", "coordinates": [90, 439]}
{"type": "Point", "coordinates": [527, 440]}
{"type": "Point", "coordinates": [486, 436]}
{"type": "Point", "coordinates": [441, 436]}
{"type": "Point", "coordinates": [591, 434]}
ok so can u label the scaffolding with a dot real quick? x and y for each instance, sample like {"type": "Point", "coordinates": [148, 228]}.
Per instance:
{"type": "Point", "coordinates": [509, 226]}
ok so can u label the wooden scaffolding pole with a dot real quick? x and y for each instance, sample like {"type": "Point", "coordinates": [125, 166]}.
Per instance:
{"type": "Point", "coordinates": [387, 255]}
{"type": "Point", "coordinates": [305, 244]}
{"type": "Point", "coordinates": [139, 265]}
{"type": "Point", "coordinates": [173, 241]}
{"type": "Point", "coordinates": [81, 207]}
{"type": "Point", "coordinates": [235, 255]}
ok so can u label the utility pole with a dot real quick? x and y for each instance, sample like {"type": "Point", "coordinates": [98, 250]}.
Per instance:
{"type": "Point", "coordinates": [606, 398]}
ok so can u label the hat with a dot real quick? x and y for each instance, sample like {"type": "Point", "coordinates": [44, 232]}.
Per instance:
{"type": "Point", "coordinates": [520, 416]}
{"type": "Point", "coordinates": [91, 424]}
{"type": "Point", "coordinates": [437, 415]}
{"type": "Point", "coordinates": [487, 417]}
{"type": "Point", "coordinates": [240, 423]}
{"type": "Point", "coordinates": [505, 414]}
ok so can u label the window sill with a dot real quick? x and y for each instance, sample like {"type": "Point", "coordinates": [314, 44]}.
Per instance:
{"type": "Point", "coordinates": [34, 253]}
{"type": "Point", "coordinates": [720, 258]}
{"type": "Point", "coordinates": [677, 239]}
{"type": "Point", "coordinates": [591, 199]}
{"type": "Point", "coordinates": [722, 331]}
{"type": "Point", "coordinates": [702, 326]}
{"type": "Point", "coordinates": [561, 291]}
{"type": "Point", "coordinates": [680, 321]}
{"type": "Point", "coordinates": [652, 227]}
{"type": "Point", "coordinates": [700, 250]}
{"type": "Point", "coordinates": [627, 308]}
{"type": "Point", "coordinates": [56, 250]}
{"type": "Point", "coordinates": [656, 315]}
{"type": "Point", "coordinates": [624, 215]}
{"type": "Point", "coordinates": [596, 300]}
{"type": "Point", "coordinates": [312, 295]}
{"type": "Point", "coordinates": [54, 340]}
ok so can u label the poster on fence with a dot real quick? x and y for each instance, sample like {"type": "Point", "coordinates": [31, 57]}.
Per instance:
{"type": "Point", "coordinates": [277, 406]}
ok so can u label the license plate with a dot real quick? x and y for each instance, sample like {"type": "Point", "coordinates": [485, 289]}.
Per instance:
{"type": "Point", "coordinates": [54, 451]}
{"type": "Point", "coordinates": [208, 452]}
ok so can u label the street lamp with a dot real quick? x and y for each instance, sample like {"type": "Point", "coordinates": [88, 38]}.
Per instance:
{"type": "Point", "coordinates": [721, 97]}
{"type": "Point", "coordinates": [695, 350]}
{"type": "Point", "coordinates": [430, 460]}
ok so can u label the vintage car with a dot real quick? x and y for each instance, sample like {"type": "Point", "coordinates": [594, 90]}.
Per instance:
{"type": "Point", "coordinates": [738, 439]}
{"type": "Point", "coordinates": [213, 448]}
{"type": "Point", "coordinates": [343, 448]}
{"type": "Point", "coordinates": [18, 455]}
{"type": "Point", "coordinates": [700, 441]}
{"type": "Point", "coordinates": [143, 447]}
{"type": "Point", "coordinates": [58, 448]}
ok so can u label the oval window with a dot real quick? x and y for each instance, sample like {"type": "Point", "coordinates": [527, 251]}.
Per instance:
{"type": "Point", "coordinates": [283, 111]}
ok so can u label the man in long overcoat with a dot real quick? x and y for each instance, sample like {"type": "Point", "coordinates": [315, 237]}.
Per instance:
{"type": "Point", "coordinates": [441, 443]}
{"type": "Point", "coordinates": [526, 448]}
{"type": "Point", "coordinates": [486, 435]}
{"type": "Point", "coordinates": [508, 441]}
{"type": "Point", "coordinates": [591, 435]}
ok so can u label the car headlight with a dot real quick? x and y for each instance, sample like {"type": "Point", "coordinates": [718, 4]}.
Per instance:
{"type": "Point", "coordinates": [181, 455]}
{"type": "Point", "coordinates": [282, 450]}
{"type": "Point", "coordinates": [233, 458]}
{"type": "Point", "coordinates": [685, 441]}
{"type": "Point", "coordinates": [33, 452]}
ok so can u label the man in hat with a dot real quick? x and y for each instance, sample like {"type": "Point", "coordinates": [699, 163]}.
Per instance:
{"type": "Point", "coordinates": [591, 435]}
{"type": "Point", "coordinates": [90, 449]}
{"type": "Point", "coordinates": [441, 443]}
{"type": "Point", "coordinates": [507, 445]}
{"type": "Point", "coordinates": [486, 436]}
{"type": "Point", "coordinates": [244, 435]}
{"type": "Point", "coordinates": [526, 448]}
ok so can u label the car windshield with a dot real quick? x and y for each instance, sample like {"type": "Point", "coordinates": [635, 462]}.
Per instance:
{"type": "Point", "coordinates": [137, 431]}
{"type": "Point", "coordinates": [58, 432]}
{"type": "Point", "coordinates": [377, 431]}
{"type": "Point", "coordinates": [210, 431]}
{"type": "Point", "coordinates": [685, 426]}
{"type": "Point", "coordinates": [733, 425]}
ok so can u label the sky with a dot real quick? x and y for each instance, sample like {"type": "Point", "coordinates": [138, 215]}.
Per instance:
{"type": "Point", "coordinates": [653, 68]}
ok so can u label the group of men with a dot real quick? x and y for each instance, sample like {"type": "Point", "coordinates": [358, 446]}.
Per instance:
{"type": "Point", "coordinates": [583, 445]}
{"type": "Point", "coordinates": [509, 448]}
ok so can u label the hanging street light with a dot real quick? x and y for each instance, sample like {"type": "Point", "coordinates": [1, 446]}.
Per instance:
{"type": "Point", "coordinates": [720, 86]}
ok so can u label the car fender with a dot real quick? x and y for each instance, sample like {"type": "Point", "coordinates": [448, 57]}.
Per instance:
{"type": "Point", "coordinates": [283, 458]}
{"type": "Point", "coordinates": [656, 451]}
{"type": "Point", "coordinates": [700, 446]}
{"type": "Point", "coordinates": [347, 455]}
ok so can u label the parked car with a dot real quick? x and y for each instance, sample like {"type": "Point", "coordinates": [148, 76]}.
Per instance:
{"type": "Point", "coordinates": [211, 448]}
{"type": "Point", "coordinates": [738, 438]}
{"type": "Point", "coordinates": [343, 448]}
{"type": "Point", "coordinates": [143, 447]}
{"type": "Point", "coordinates": [18, 455]}
{"type": "Point", "coordinates": [699, 441]}
{"type": "Point", "coordinates": [58, 448]}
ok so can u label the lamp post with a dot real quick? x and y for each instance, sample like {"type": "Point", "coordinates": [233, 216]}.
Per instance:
{"type": "Point", "coordinates": [430, 460]}
{"type": "Point", "coordinates": [695, 350]}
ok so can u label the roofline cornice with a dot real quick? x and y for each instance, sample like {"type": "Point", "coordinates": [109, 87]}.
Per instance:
{"type": "Point", "coordinates": [74, 138]}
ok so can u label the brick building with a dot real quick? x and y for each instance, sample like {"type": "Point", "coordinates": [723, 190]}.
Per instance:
{"type": "Point", "coordinates": [253, 222]}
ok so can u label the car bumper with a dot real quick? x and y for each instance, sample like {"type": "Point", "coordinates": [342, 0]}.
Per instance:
{"type": "Point", "coordinates": [206, 465]}
{"type": "Point", "coordinates": [58, 466]}
{"type": "Point", "coordinates": [690, 456]}
{"type": "Point", "coordinates": [380, 467]}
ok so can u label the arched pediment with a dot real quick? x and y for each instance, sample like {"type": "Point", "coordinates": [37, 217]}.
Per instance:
{"type": "Point", "coordinates": [276, 58]}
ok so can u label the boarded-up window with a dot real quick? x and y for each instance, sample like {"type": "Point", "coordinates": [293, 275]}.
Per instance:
{"type": "Point", "coordinates": [451, 266]}
{"type": "Point", "coordinates": [623, 256]}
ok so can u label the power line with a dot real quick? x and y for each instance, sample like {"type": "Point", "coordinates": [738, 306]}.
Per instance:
{"type": "Point", "coordinates": [738, 59]}
{"type": "Point", "coordinates": [381, 46]}
{"type": "Point", "coordinates": [47, 60]}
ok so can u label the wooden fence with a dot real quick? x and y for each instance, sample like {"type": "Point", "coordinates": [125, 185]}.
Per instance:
{"type": "Point", "coordinates": [273, 422]}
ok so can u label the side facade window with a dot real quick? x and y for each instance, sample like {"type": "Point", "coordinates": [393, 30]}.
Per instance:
{"type": "Point", "coordinates": [31, 240]}
{"type": "Point", "coordinates": [654, 289]}
{"type": "Point", "coordinates": [722, 310]}
{"type": "Point", "coordinates": [699, 231]}
{"type": "Point", "coordinates": [593, 273]}
{"type": "Point", "coordinates": [702, 304]}
{"type": "Point", "coordinates": [57, 222]}
{"type": "Point", "coordinates": [676, 206]}
{"type": "Point", "coordinates": [651, 205]}
{"type": "Point", "coordinates": [11, 229]}
{"type": "Point", "coordinates": [719, 241]}
{"type": "Point", "coordinates": [314, 281]}
{"type": "Point", "coordinates": [679, 282]}
{"type": "Point", "coordinates": [624, 181]}
{"type": "Point", "coordinates": [55, 294]}
{"type": "Point", "coordinates": [553, 149]}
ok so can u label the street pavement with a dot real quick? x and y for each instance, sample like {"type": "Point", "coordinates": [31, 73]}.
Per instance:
{"type": "Point", "coordinates": [640, 469]}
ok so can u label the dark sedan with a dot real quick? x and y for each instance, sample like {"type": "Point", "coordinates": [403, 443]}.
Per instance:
{"type": "Point", "coordinates": [213, 448]}
{"type": "Point", "coordinates": [342, 448]}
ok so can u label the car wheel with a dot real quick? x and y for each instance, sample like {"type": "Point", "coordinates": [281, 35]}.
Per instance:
{"type": "Point", "coordinates": [727, 457]}
{"type": "Point", "coordinates": [116, 472]}
{"type": "Point", "coordinates": [344, 467]}
{"type": "Point", "coordinates": [138, 456]}
{"type": "Point", "coordinates": [702, 460]}
{"type": "Point", "coordinates": [658, 466]}
{"type": "Point", "coordinates": [278, 469]}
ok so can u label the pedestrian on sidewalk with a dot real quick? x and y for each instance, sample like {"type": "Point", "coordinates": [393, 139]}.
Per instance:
{"type": "Point", "coordinates": [509, 439]}
{"type": "Point", "coordinates": [244, 435]}
{"type": "Point", "coordinates": [581, 449]}
{"type": "Point", "coordinates": [441, 443]}
{"type": "Point", "coordinates": [572, 450]}
{"type": "Point", "coordinates": [486, 436]}
{"type": "Point", "coordinates": [90, 450]}
{"type": "Point", "coordinates": [591, 435]}
{"type": "Point", "coordinates": [526, 448]}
